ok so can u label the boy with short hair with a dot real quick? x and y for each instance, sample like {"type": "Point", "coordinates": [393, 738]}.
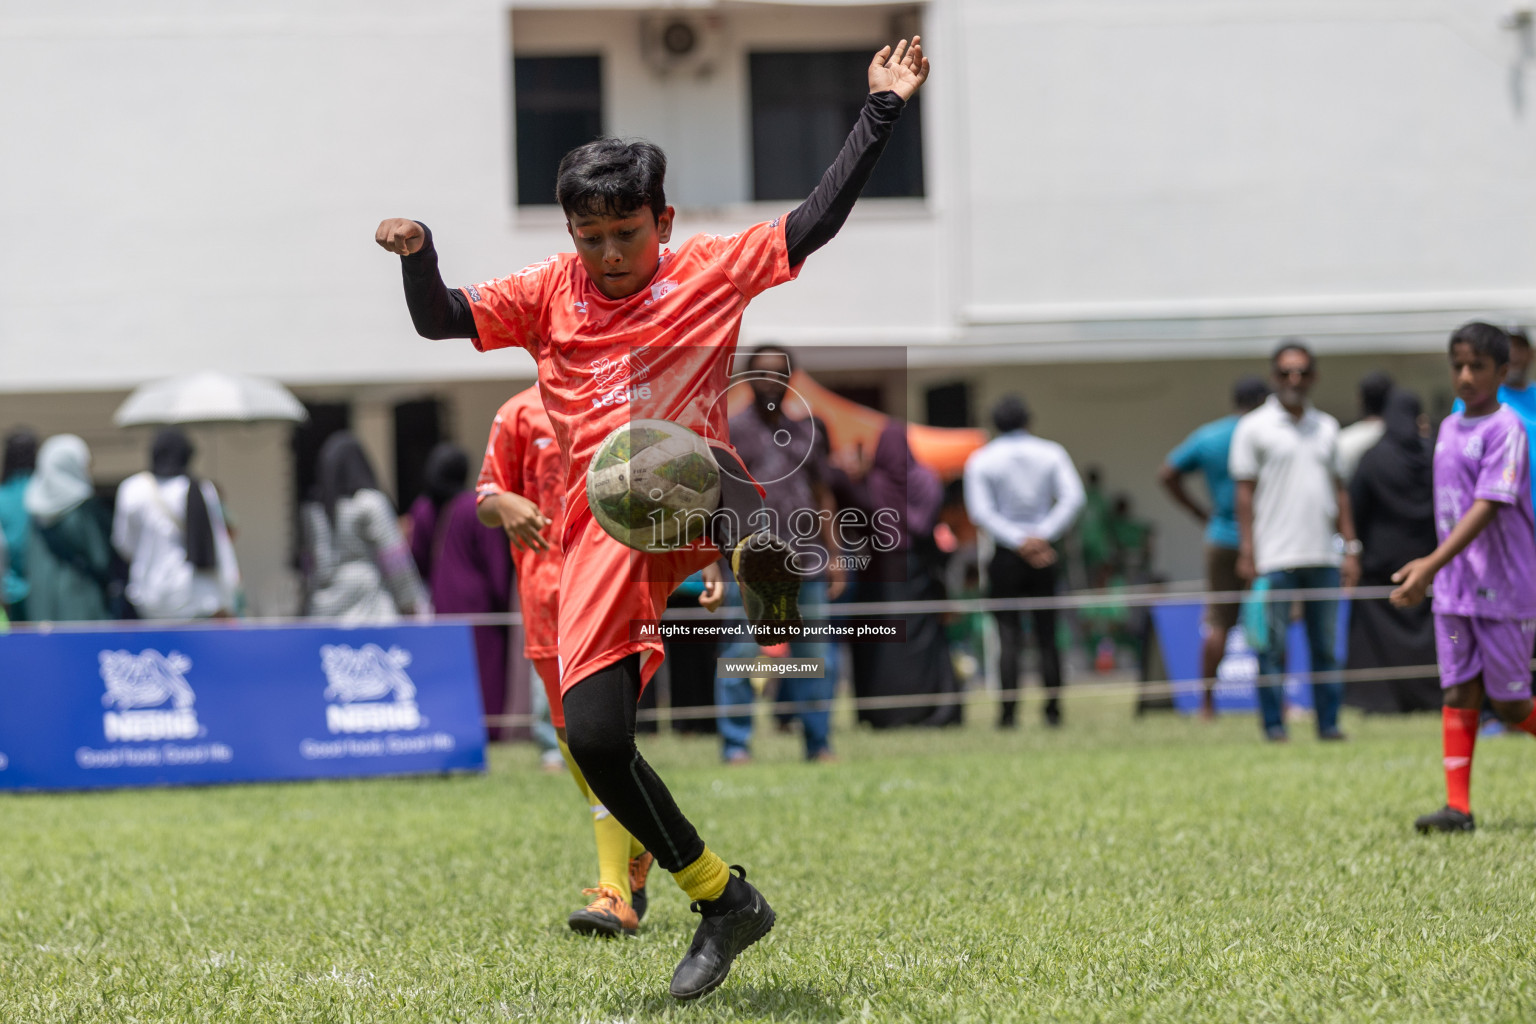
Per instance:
{"type": "Point", "coordinates": [620, 330]}
{"type": "Point", "coordinates": [1484, 570]}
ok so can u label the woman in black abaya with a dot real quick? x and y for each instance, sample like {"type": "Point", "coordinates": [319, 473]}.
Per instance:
{"type": "Point", "coordinates": [1392, 494]}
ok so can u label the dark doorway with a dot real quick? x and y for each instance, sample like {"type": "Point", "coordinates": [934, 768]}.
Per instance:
{"type": "Point", "coordinates": [418, 428]}
{"type": "Point", "coordinates": [325, 419]}
{"type": "Point", "coordinates": [948, 405]}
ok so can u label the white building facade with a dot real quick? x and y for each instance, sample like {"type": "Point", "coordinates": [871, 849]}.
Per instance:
{"type": "Point", "coordinates": [1116, 207]}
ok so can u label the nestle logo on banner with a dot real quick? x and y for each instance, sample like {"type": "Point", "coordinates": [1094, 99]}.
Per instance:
{"type": "Point", "coordinates": [359, 680]}
{"type": "Point", "coordinates": [140, 686]}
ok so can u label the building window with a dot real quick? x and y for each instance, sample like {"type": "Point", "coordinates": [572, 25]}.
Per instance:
{"type": "Point", "coordinates": [559, 102]}
{"type": "Point", "coordinates": [803, 105]}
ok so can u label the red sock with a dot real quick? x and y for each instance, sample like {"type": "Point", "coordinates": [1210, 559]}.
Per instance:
{"type": "Point", "coordinates": [1529, 725]}
{"type": "Point", "coordinates": [1459, 734]}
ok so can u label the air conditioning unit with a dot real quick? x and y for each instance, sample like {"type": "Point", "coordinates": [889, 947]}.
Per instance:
{"type": "Point", "coordinates": [682, 45]}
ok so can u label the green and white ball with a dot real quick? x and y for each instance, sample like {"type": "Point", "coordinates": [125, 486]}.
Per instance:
{"type": "Point", "coordinates": [652, 485]}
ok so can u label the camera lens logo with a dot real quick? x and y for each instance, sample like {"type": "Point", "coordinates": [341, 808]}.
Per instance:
{"type": "Point", "coordinates": [770, 390]}
{"type": "Point", "coordinates": [151, 694]}
{"type": "Point", "coordinates": [368, 690]}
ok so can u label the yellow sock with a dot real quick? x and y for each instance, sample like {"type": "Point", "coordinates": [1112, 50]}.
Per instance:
{"type": "Point", "coordinates": [613, 841]}
{"type": "Point", "coordinates": [576, 776]}
{"type": "Point", "coordinates": [705, 878]}
{"type": "Point", "coordinates": [612, 851]}
{"type": "Point", "coordinates": [636, 847]}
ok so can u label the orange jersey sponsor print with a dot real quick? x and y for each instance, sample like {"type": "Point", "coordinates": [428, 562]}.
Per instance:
{"type": "Point", "coordinates": [662, 353]}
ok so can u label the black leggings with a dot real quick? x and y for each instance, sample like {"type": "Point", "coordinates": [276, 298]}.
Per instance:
{"type": "Point", "coordinates": [600, 731]}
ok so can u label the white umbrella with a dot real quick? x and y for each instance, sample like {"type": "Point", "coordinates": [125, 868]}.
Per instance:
{"type": "Point", "coordinates": [209, 397]}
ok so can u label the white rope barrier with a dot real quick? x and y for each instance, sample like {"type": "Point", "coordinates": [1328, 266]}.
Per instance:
{"type": "Point", "coordinates": [1107, 690]}
{"type": "Point", "coordinates": [1144, 596]}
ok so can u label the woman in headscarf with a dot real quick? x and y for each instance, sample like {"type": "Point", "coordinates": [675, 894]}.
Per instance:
{"type": "Point", "coordinates": [360, 566]}
{"type": "Point", "coordinates": [20, 460]}
{"type": "Point", "coordinates": [894, 482]}
{"type": "Point", "coordinates": [69, 558]}
{"type": "Point", "coordinates": [468, 565]}
{"type": "Point", "coordinates": [1392, 494]}
{"type": "Point", "coordinates": [445, 474]}
{"type": "Point", "coordinates": [170, 529]}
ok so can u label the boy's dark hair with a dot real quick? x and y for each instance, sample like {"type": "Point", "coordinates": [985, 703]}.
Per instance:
{"type": "Point", "coordinates": [1374, 389]}
{"type": "Point", "coordinates": [1290, 345]}
{"type": "Point", "coordinates": [1484, 339]}
{"type": "Point", "coordinates": [1010, 414]}
{"type": "Point", "coordinates": [1249, 392]}
{"type": "Point", "coordinates": [612, 178]}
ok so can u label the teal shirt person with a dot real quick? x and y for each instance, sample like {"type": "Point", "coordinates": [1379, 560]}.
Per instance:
{"type": "Point", "coordinates": [16, 525]}
{"type": "Point", "coordinates": [1206, 450]}
{"type": "Point", "coordinates": [1522, 401]}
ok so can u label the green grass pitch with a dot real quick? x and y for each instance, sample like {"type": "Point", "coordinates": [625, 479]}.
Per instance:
{"type": "Point", "coordinates": [1115, 871]}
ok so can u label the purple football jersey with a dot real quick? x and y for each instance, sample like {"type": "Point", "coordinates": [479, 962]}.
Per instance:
{"type": "Point", "coordinates": [1486, 457]}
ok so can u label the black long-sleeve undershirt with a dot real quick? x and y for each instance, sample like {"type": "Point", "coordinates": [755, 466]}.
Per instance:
{"type": "Point", "coordinates": [440, 312]}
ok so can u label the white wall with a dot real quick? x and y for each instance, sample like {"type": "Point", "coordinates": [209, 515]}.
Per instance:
{"type": "Point", "coordinates": [192, 185]}
{"type": "Point", "coordinates": [1169, 158]}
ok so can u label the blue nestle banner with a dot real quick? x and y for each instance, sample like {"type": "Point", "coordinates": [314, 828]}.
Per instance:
{"type": "Point", "coordinates": [1178, 635]}
{"type": "Point", "coordinates": [205, 705]}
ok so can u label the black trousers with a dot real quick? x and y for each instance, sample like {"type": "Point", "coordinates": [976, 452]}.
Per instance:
{"type": "Point", "coordinates": [1009, 575]}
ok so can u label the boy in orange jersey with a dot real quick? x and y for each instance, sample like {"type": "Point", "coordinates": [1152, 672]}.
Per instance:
{"type": "Point", "coordinates": [621, 329]}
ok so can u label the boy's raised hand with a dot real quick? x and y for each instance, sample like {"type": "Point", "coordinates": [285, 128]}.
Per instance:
{"type": "Point", "coordinates": [900, 71]}
{"type": "Point", "coordinates": [400, 236]}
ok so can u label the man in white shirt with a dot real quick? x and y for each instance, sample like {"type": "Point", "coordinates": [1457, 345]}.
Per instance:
{"type": "Point", "coordinates": [1291, 503]}
{"type": "Point", "coordinates": [1025, 493]}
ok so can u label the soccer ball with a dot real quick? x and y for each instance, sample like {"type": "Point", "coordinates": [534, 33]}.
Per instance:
{"type": "Point", "coordinates": [652, 485]}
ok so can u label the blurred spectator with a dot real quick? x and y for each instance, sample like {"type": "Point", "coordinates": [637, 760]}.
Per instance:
{"type": "Point", "coordinates": [1290, 505]}
{"type": "Point", "coordinates": [170, 529]}
{"type": "Point", "coordinates": [1132, 540]}
{"type": "Point", "coordinates": [781, 454]}
{"type": "Point", "coordinates": [690, 665]}
{"type": "Point", "coordinates": [69, 556]}
{"type": "Point", "coordinates": [1093, 530]}
{"type": "Point", "coordinates": [892, 481]}
{"type": "Point", "coordinates": [20, 459]}
{"type": "Point", "coordinates": [1361, 436]}
{"type": "Point", "coordinates": [1392, 497]}
{"type": "Point", "coordinates": [468, 566]}
{"type": "Point", "coordinates": [361, 568]}
{"type": "Point", "coordinates": [1206, 450]}
{"type": "Point", "coordinates": [1024, 492]}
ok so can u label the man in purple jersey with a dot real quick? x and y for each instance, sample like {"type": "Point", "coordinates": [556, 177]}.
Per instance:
{"type": "Point", "coordinates": [1485, 591]}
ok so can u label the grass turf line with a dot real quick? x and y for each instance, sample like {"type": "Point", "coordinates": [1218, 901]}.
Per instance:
{"type": "Point", "coordinates": [1117, 870]}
